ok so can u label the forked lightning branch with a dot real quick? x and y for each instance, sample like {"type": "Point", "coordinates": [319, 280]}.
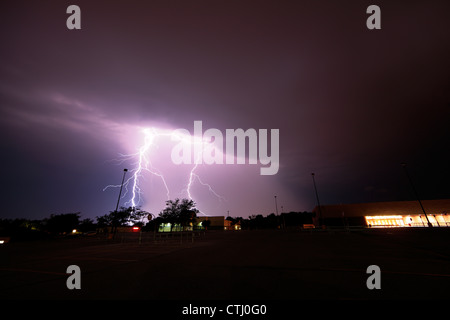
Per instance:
{"type": "Point", "coordinates": [210, 147]}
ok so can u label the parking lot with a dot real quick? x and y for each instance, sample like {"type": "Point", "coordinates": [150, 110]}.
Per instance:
{"type": "Point", "coordinates": [256, 265]}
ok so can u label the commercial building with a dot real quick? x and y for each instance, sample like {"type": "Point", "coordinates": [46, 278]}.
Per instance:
{"type": "Point", "coordinates": [385, 214]}
{"type": "Point", "coordinates": [213, 223]}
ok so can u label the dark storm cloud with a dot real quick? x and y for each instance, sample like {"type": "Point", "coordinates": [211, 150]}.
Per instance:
{"type": "Point", "coordinates": [350, 103]}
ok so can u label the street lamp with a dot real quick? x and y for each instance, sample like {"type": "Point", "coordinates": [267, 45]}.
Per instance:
{"type": "Point", "coordinates": [283, 224]}
{"type": "Point", "coordinates": [276, 205]}
{"type": "Point", "coordinates": [114, 227]}
{"type": "Point", "coordinates": [317, 197]}
{"type": "Point", "coordinates": [121, 186]}
{"type": "Point", "coordinates": [416, 194]}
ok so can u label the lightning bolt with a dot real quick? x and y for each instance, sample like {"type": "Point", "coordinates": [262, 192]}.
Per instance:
{"type": "Point", "coordinates": [143, 165]}
{"type": "Point", "coordinates": [193, 176]}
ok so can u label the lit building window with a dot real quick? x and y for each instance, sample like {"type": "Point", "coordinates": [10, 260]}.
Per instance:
{"type": "Point", "coordinates": [437, 220]}
{"type": "Point", "coordinates": [385, 221]}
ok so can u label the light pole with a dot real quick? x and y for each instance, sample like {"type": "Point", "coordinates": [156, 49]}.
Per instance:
{"type": "Point", "coordinates": [416, 194]}
{"type": "Point", "coordinates": [121, 186]}
{"type": "Point", "coordinates": [317, 197]}
{"type": "Point", "coordinates": [117, 205]}
{"type": "Point", "coordinates": [276, 205]}
{"type": "Point", "coordinates": [283, 225]}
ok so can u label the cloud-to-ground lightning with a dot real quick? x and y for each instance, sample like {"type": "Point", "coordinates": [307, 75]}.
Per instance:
{"type": "Point", "coordinates": [143, 165]}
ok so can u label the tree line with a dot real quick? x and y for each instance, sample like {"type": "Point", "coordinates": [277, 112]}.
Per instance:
{"type": "Point", "coordinates": [178, 211]}
{"type": "Point", "coordinates": [273, 221]}
{"type": "Point", "coordinates": [181, 212]}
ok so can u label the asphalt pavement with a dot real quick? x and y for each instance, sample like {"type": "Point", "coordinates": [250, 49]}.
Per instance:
{"type": "Point", "coordinates": [256, 265]}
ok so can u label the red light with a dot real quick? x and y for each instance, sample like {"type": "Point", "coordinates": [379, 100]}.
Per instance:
{"type": "Point", "coordinates": [135, 229]}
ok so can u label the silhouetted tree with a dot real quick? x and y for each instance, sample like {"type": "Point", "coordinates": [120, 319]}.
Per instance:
{"type": "Point", "coordinates": [179, 211]}
{"type": "Point", "coordinates": [137, 215]}
{"type": "Point", "coordinates": [22, 229]}
{"type": "Point", "coordinates": [123, 217]}
{"type": "Point", "coordinates": [153, 225]}
{"type": "Point", "coordinates": [170, 212]}
{"type": "Point", "coordinates": [87, 225]}
{"type": "Point", "coordinates": [62, 223]}
{"type": "Point", "coordinates": [272, 221]}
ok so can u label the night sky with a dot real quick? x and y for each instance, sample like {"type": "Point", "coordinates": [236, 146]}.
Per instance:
{"type": "Point", "coordinates": [351, 103]}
